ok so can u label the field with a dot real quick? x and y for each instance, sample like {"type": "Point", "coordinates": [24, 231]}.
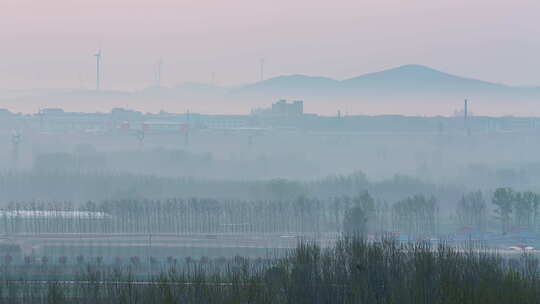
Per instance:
{"type": "Point", "coordinates": [281, 216]}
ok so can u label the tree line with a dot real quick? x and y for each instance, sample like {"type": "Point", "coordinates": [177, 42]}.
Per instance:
{"type": "Point", "coordinates": [351, 271]}
{"type": "Point", "coordinates": [416, 215]}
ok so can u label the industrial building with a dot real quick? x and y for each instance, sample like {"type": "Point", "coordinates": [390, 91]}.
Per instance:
{"type": "Point", "coordinates": [282, 109]}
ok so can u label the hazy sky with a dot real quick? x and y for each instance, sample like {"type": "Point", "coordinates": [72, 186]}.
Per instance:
{"type": "Point", "coordinates": [50, 43]}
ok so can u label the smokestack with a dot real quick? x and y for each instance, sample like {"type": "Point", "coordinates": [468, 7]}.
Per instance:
{"type": "Point", "coordinates": [465, 106]}
{"type": "Point", "coordinates": [98, 72]}
{"type": "Point", "coordinates": [466, 116]}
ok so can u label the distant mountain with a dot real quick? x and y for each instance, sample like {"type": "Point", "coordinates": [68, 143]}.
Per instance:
{"type": "Point", "coordinates": [414, 77]}
{"type": "Point", "coordinates": [287, 86]}
{"type": "Point", "coordinates": [189, 90]}
{"type": "Point", "coordinates": [414, 80]}
{"type": "Point", "coordinates": [408, 89]}
{"type": "Point", "coordinates": [292, 82]}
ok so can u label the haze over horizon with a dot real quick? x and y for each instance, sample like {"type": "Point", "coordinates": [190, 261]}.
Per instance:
{"type": "Point", "coordinates": [51, 45]}
{"type": "Point", "coordinates": [269, 151]}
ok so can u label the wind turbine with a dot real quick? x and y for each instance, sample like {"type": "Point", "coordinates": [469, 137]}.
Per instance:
{"type": "Point", "coordinates": [261, 61]}
{"type": "Point", "coordinates": [98, 67]}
